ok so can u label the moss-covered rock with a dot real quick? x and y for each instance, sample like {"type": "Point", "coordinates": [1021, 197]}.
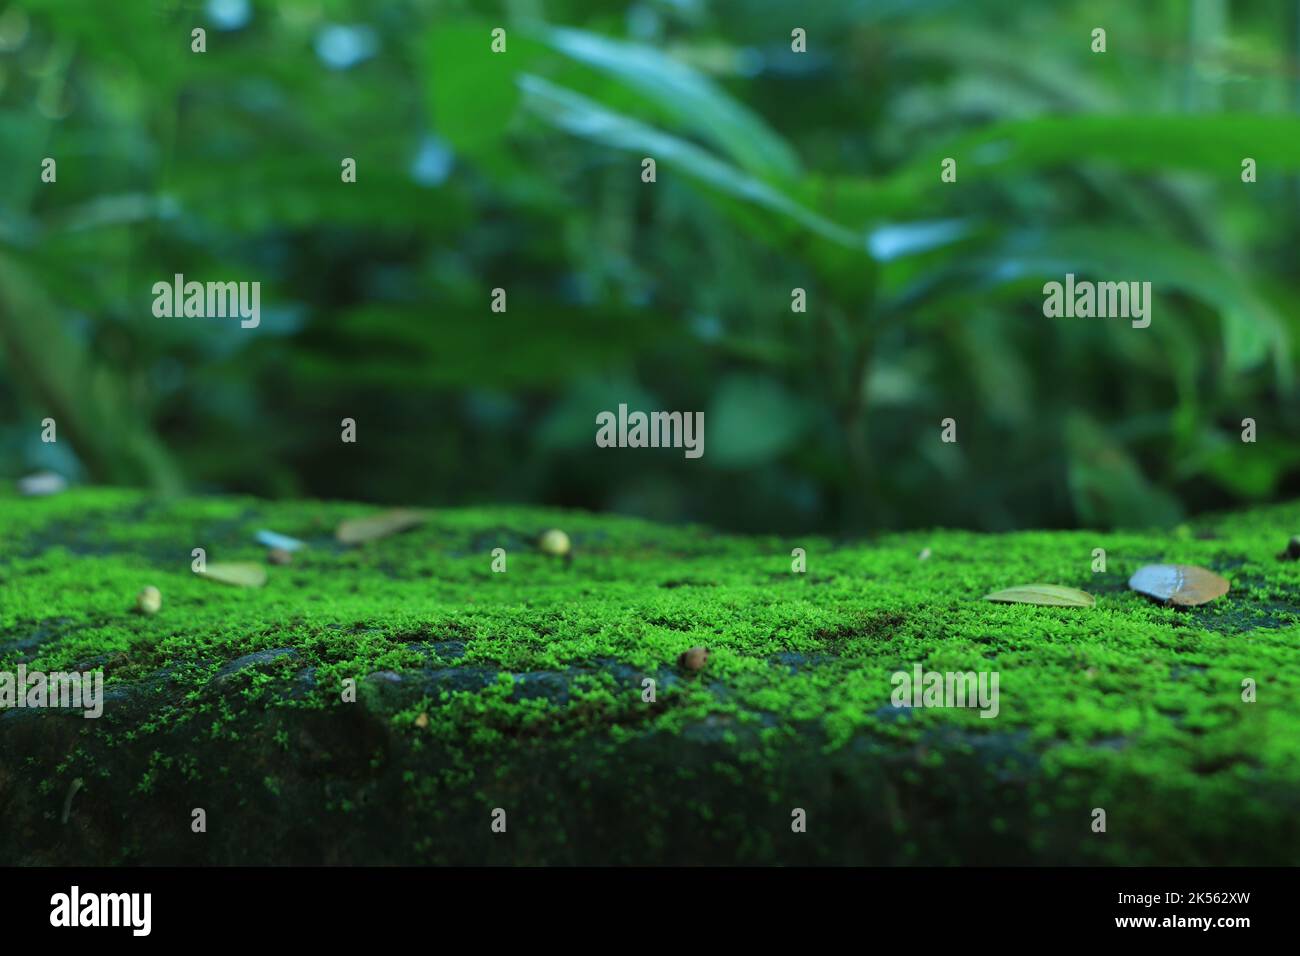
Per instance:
{"type": "Point", "coordinates": [524, 691]}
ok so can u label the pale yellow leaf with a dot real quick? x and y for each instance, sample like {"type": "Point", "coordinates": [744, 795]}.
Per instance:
{"type": "Point", "coordinates": [361, 530]}
{"type": "Point", "coordinates": [1048, 594]}
{"type": "Point", "coordinates": [243, 574]}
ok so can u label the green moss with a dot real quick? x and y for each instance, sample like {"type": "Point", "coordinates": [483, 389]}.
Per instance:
{"type": "Point", "coordinates": [526, 686]}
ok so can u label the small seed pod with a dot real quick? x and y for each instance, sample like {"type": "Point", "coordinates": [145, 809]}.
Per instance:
{"type": "Point", "coordinates": [694, 659]}
{"type": "Point", "coordinates": [554, 542]}
{"type": "Point", "coordinates": [149, 601]}
{"type": "Point", "coordinates": [279, 556]}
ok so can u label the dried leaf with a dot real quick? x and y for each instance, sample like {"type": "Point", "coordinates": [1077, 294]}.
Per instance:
{"type": "Point", "coordinates": [1048, 594]}
{"type": "Point", "coordinates": [361, 530]}
{"type": "Point", "coordinates": [243, 574]}
{"type": "Point", "coordinates": [1181, 584]}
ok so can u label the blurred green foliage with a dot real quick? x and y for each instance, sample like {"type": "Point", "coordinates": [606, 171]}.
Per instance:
{"type": "Point", "coordinates": [776, 170]}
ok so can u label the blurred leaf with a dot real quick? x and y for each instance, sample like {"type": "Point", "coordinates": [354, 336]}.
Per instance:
{"type": "Point", "coordinates": [279, 191]}
{"type": "Point", "coordinates": [571, 423]}
{"type": "Point", "coordinates": [1039, 74]}
{"type": "Point", "coordinates": [472, 91]}
{"type": "Point", "coordinates": [1122, 255]}
{"type": "Point", "coordinates": [86, 399]}
{"type": "Point", "coordinates": [583, 117]}
{"type": "Point", "coordinates": [539, 342]}
{"type": "Point", "coordinates": [1249, 470]}
{"type": "Point", "coordinates": [1246, 341]}
{"type": "Point", "coordinates": [889, 242]}
{"type": "Point", "coordinates": [1214, 144]}
{"type": "Point", "coordinates": [1119, 255]}
{"type": "Point", "coordinates": [26, 138]}
{"type": "Point", "coordinates": [1108, 488]}
{"type": "Point", "coordinates": [689, 99]}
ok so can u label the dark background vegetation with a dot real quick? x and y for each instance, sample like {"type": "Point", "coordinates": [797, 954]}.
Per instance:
{"type": "Point", "coordinates": [775, 170]}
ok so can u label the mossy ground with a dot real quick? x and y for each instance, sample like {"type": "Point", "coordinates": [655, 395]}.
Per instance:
{"type": "Point", "coordinates": [523, 690]}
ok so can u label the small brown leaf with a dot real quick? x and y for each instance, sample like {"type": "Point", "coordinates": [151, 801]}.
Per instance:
{"type": "Point", "coordinates": [361, 530]}
{"type": "Point", "coordinates": [1183, 585]}
{"type": "Point", "coordinates": [1052, 595]}
{"type": "Point", "coordinates": [243, 574]}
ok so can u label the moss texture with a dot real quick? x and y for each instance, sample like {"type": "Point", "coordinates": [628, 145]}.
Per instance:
{"type": "Point", "coordinates": [523, 691]}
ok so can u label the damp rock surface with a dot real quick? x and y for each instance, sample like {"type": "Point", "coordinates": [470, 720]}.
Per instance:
{"type": "Point", "coordinates": [374, 703]}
